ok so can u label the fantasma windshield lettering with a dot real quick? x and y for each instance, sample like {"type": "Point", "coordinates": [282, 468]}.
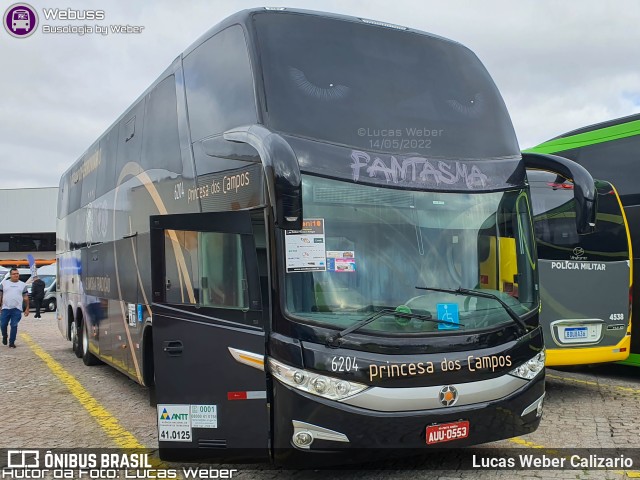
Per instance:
{"type": "Point", "coordinates": [417, 170]}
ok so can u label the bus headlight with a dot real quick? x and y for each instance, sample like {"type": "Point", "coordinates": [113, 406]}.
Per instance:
{"type": "Point", "coordinates": [321, 385]}
{"type": "Point", "coordinates": [528, 370]}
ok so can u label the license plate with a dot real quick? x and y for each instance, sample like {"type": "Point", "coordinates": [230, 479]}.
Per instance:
{"type": "Point", "coordinates": [446, 432]}
{"type": "Point", "coordinates": [575, 332]}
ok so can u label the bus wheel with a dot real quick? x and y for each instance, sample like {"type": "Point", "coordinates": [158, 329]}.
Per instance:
{"type": "Point", "coordinates": [76, 346]}
{"type": "Point", "coordinates": [51, 305]}
{"type": "Point", "coordinates": [87, 357]}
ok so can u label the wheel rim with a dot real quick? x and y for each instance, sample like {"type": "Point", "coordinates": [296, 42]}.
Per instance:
{"type": "Point", "coordinates": [51, 306]}
{"type": "Point", "coordinates": [74, 335]}
{"type": "Point", "coordinates": [85, 339]}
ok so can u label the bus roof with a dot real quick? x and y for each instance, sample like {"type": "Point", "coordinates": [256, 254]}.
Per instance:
{"type": "Point", "coordinates": [243, 16]}
{"type": "Point", "coordinates": [598, 133]}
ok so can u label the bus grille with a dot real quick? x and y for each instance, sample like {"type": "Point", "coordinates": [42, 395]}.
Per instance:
{"type": "Point", "coordinates": [204, 443]}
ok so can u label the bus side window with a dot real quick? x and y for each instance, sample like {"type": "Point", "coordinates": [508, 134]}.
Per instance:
{"type": "Point", "coordinates": [223, 273]}
{"type": "Point", "coordinates": [181, 263]}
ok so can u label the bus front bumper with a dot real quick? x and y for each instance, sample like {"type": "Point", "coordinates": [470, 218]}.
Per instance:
{"type": "Point", "coordinates": [356, 433]}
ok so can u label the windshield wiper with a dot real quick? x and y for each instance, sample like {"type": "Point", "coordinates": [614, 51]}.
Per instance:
{"type": "Point", "coordinates": [474, 293]}
{"type": "Point", "coordinates": [334, 340]}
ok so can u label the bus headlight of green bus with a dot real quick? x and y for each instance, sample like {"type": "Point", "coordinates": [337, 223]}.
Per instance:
{"type": "Point", "coordinates": [321, 385]}
{"type": "Point", "coordinates": [531, 368]}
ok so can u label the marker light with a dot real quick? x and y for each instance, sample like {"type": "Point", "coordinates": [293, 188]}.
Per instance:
{"type": "Point", "coordinates": [530, 369]}
{"type": "Point", "coordinates": [321, 385]}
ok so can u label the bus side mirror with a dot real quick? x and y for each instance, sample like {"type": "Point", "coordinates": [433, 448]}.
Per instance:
{"type": "Point", "coordinates": [287, 183]}
{"type": "Point", "coordinates": [282, 171]}
{"type": "Point", "coordinates": [584, 189]}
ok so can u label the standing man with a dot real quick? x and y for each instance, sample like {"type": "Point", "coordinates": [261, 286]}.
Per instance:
{"type": "Point", "coordinates": [13, 293]}
{"type": "Point", "coordinates": [37, 294]}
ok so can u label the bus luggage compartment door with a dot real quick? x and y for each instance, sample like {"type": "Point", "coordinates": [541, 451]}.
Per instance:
{"type": "Point", "coordinates": [208, 338]}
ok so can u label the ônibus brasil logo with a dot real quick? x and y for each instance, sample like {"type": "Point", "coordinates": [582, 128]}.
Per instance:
{"type": "Point", "coordinates": [20, 20]}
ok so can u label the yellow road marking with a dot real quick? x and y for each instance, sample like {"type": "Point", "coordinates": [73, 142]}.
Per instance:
{"type": "Point", "coordinates": [105, 419]}
{"type": "Point", "coordinates": [526, 443]}
{"type": "Point", "coordinates": [594, 384]}
{"type": "Point", "coordinates": [630, 473]}
{"type": "Point", "coordinates": [121, 437]}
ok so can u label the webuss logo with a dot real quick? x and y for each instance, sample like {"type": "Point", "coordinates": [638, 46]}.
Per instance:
{"type": "Point", "coordinates": [20, 20]}
{"type": "Point", "coordinates": [69, 14]}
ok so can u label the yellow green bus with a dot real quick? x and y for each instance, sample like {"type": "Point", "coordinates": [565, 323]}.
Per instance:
{"type": "Point", "coordinates": [585, 279]}
{"type": "Point", "coordinates": [610, 151]}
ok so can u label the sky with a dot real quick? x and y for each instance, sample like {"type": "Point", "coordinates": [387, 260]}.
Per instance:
{"type": "Point", "coordinates": [559, 65]}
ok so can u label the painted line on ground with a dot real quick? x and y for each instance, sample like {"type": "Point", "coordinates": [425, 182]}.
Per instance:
{"type": "Point", "coordinates": [108, 422]}
{"type": "Point", "coordinates": [594, 384]}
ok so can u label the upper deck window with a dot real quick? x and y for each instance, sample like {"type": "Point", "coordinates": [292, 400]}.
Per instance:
{"type": "Point", "coordinates": [381, 89]}
{"type": "Point", "coordinates": [219, 84]}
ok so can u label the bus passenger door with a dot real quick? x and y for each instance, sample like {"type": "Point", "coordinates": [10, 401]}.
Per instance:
{"type": "Point", "coordinates": [208, 336]}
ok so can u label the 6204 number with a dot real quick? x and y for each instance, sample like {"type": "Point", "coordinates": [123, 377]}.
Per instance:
{"type": "Point", "coordinates": [344, 364]}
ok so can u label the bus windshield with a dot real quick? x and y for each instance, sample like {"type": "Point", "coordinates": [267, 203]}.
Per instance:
{"type": "Point", "coordinates": [380, 89]}
{"type": "Point", "coordinates": [554, 218]}
{"type": "Point", "coordinates": [369, 248]}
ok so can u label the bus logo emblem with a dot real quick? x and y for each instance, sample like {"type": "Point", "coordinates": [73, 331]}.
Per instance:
{"type": "Point", "coordinates": [578, 251]}
{"type": "Point", "coordinates": [448, 395]}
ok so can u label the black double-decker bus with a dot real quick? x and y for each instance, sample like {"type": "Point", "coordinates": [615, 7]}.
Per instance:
{"type": "Point", "coordinates": [312, 234]}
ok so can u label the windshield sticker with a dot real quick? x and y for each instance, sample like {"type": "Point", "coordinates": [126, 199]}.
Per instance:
{"type": "Point", "coordinates": [449, 313]}
{"type": "Point", "coordinates": [306, 249]}
{"type": "Point", "coordinates": [341, 261]}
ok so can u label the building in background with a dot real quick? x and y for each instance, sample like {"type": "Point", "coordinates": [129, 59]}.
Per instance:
{"type": "Point", "coordinates": [28, 225]}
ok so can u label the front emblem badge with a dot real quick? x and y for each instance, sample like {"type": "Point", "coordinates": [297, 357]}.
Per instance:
{"type": "Point", "coordinates": [448, 395]}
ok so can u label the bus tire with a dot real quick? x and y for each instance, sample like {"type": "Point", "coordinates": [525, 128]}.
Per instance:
{"type": "Point", "coordinates": [76, 344]}
{"type": "Point", "coordinates": [51, 305]}
{"type": "Point", "coordinates": [88, 358]}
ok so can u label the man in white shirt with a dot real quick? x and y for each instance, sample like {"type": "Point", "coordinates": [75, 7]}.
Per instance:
{"type": "Point", "coordinates": [13, 293]}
